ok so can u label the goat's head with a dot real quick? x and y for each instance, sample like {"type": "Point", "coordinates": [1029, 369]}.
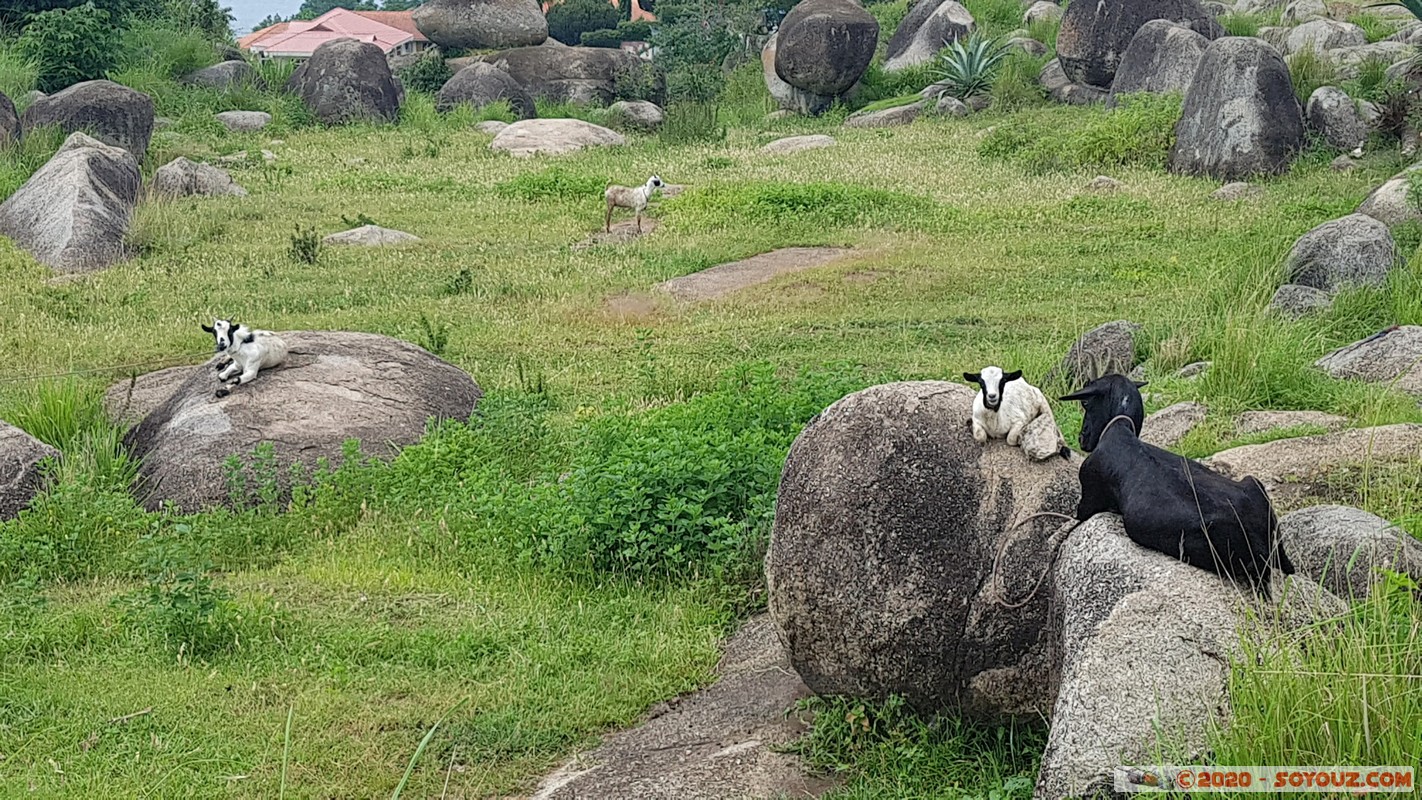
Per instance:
{"type": "Point", "coordinates": [993, 382]}
{"type": "Point", "coordinates": [1104, 399]}
{"type": "Point", "coordinates": [224, 333]}
{"type": "Point", "coordinates": [655, 183]}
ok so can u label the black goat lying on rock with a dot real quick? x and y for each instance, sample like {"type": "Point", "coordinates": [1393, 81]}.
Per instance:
{"type": "Point", "coordinates": [1170, 503]}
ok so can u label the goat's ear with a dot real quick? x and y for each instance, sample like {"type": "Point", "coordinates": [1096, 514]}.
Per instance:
{"type": "Point", "coordinates": [209, 330]}
{"type": "Point", "coordinates": [251, 337]}
{"type": "Point", "coordinates": [1012, 376]}
{"type": "Point", "coordinates": [1139, 384]}
{"type": "Point", "coordinates": [972, 377]}
{"type": "Point", "coordinates": [1082, 394]}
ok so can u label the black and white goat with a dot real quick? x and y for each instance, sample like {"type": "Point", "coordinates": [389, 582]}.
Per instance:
{"type": "Point", "coordinates": [1003, 412]}
{"type": "Point", "coordinates": [248, 352]}
{"type": "Point", "coordinates": [1169, 503]}
{"type": "Point", "coordinates": [634, 198]}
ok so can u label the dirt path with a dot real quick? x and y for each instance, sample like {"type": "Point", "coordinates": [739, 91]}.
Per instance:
{"type": "Point", "coordinates": [723, 279]}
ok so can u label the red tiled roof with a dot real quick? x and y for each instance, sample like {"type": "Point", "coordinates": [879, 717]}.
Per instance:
{"type": "Point", "coordinates": [300, 38]}
{"type": "Point", "coordinates": [404, 20]}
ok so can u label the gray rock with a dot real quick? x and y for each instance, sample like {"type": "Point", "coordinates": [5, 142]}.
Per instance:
{"type": "Point", "coordinates": [586, 75]}
{"type": "Point", "coordinates": [479, 85]}
{"type": "Point", "coordinates": [1389, 203]}
{"type": "Point", "coordinates": [73, 213]}
{"type": "Point", "coordinates": [1351, 251]}
{"type": "Point", "coordinates": [21, 469]}
{"type": "Point", "coordinates": [115, 115]}
{"type": "Point", "coordinates": [1348, 61]}
{"type": "Point", "coordinates": [1104, 350]}
{"type": "Point", "coordinates": [1343, 548]}
{"type": "Point", "coordinates": [183, 178]}
{"type": "Point", "coordinates": [1193, 370]}
{"type": "Point", "coordinates": [790, 99]}
{"type": "Point", "coordinates": [928, 26]}
{"type": "Point", "coordinates": [950, 107]}
{"type": "Point", "coordinates": [880, 569]}
{"type": "Point", "coordinates": [553, 137]}
{"type": "Point", "coordinates": [824, 46]}
{"type": "Point", "coordinates": [9, 122]}
{"type": "Point", "coordinates": [1168, 426]}
{"type": "Point", "coordinates": [796, 144]}
{"type": "Point", "coordinates": [1241, 117]}
{"type": "Point", "coordinates": [1253, 422]}
{"type": "Point", "coordinates": [730, 739]}
{"type": "Point", "coordinates": [1054, 81]}
{"type": "Point", "coordinates": [1094, 36]}
{"type": "Point", "coordinates": [886, 118]}
{"type": "Point", "coordinates": [1289, 467]}
{"type": "Point", "coordinates": [1391, 355]}
{"type": "Point", "coordinates": [482, 24]}
{"type": "Point", "coordinates": [1042, 11]}
{"type": "Point", "coordinates": [1343, 163]}
{"type": "Point", "coordinates": [335, 386]}
{"type": "Point", "coordinates": [1161, 58]}
{"type": "Point", "coordinates": [1324, 34]}
{"type": "Point", "coordinates": [1239, 190]}
{"type": "Point", "coordinates": [1028, 45]}
{"type": "Point", "coordinates": [1146, 643]}
{"type": "Point", "coordinates": [639, 114]}
{"type": "Point", "coordinates": [1297, 11]}
{"type": "Point", "coordinates": [243, 121]}
{"type": "Point", "coordinates": [127, 402]}
{"type": "Point", "coordinates": [490, 126]}
{"type": "Point", "coordinates": [1103, 183]}
{"type": "Point", "coordinates": [1294, 301]}
{"type": "Point", "coordinates": [227, 75]}
{"type": "Point", "coordinates": [347, 81]}
{"type": "Point", "coordinates": [370, 236]}
{"type": "Point", "coordinates": [1333, 114]}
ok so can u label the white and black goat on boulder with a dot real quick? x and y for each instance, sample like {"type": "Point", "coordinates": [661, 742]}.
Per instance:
{"type": "Point", "coordinates": [1003, 412]}
{"type": "Point", "coordinates": [1169, 503]}
{"type": "Point", "coordinates": [248, 352]}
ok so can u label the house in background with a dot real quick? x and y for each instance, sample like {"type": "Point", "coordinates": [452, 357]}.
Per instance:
{"type": "Point", "coordinates": [394, 32]}
{"type": "Point", "coordinates": [637, 12]}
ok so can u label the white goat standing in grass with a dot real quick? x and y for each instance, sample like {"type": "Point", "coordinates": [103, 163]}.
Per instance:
{"type": "Point", "coordinates": [635, 199]}
{"type": "Point", "coordinates": [249, 352]}
{"type": "Point", "coordinates": [999, 412]}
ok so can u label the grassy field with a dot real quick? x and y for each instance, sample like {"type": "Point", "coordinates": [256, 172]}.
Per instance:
{"type": "Point", "coordinates": [388, 595]}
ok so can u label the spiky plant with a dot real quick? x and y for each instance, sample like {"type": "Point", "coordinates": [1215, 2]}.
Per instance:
{"type": "Point", "coordinates": [967, 67]}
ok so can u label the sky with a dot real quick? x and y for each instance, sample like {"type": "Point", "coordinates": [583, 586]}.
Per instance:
{"type": "Point", "coordinates": [250, 12]}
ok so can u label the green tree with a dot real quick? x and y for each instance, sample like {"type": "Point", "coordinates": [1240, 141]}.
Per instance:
{"type": "Point", "coordinates": [400, 5]}
{"type": "Point", "coordinates": [271, 19]}
{"type": "Point", "coordinates": [311, 9]}
{"type": "Point", "coordinates": [69, 45]}
{"type": "Point", "coordinates": [208, 17]}
{"type": "Point", "coordinates": [569, 20]}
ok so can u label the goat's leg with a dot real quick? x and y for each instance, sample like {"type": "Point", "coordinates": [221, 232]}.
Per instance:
{"type": "Point", "coordinates": [221, 365]}
{"type": "Point", "coordinates": [979, 432]}
{"type": "Point", "coordinates": [1014, 435]}
{"type": "Point", "coordinates": [228, 372]}
{"type": "Point", "coordinates": [607, 222]}
{"type": "Point", "coordinates": [639, 222]}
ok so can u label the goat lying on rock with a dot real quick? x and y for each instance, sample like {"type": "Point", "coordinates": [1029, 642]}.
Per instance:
{"type": "Point", "coordinates": [1000, 412]}
{"type": "Point", "coordinates": [1169, 503]}
{"type": "Point", "coordinates": [248, 352]}
{"type": "Point", "coordinates": [635, 199]}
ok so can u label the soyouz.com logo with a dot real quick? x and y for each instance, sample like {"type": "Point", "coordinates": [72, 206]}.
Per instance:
{"type": "Point", "coordinates": [1356, 780]}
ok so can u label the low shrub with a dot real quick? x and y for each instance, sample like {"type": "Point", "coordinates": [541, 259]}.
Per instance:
{"type": "Point", "coordinates": [1138, 132]}
{"type": "Point", "coordinates": [568, 20]}
{"type": "Point", "coordinates": [428, 74]}
{"type": "Point", "coordinates": [1309, 70]}
{"type": "Point", "coordinates": [606, 37]}
{"type": "Point", "coordinates": [1016, 85]}
{"type": "Point", "coordinates": [69, 45]}
{"type": "Point", "coordinates": [557, 182]}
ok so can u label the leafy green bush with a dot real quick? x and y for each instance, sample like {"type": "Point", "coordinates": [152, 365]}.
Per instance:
{"type": "Point", "coordinates": [1138, 132]}
{"type": "Point", "coordinates": [428, 74]}
{"type": "Point", "coordinates": [639, 30]}
{"type": "Point", "coordinates": [554, 182]}
{"type": "Point", "coordinates": [169, 52]}
{"type": "Point", "coordinates": [570, 19]}
{"type": "Point", "coordinates": [968, 66]}
{"type": "Point", "coordinates": [607, 37]}
{"type": "Point", "coordinates": [639, 81]}
{"type": "Point", "coordinates": [686, 122]}
{"type": "Point", "coordinates": [70, 45]}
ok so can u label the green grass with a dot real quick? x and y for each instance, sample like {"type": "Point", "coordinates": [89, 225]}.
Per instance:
{"type": "Point", "coordinates": [576, 553]}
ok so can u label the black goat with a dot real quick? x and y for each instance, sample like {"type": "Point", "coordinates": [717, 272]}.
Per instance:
{"type": "Point", "coordinates": [1170, 503]}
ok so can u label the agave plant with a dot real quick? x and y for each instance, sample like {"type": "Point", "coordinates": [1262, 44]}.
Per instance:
{"type": "Point", "coordinates": [1413, 6]}
{"type": "Point", "coordinates": [967, 67]}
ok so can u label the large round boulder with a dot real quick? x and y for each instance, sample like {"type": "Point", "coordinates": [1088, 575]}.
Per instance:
{"type": "Point", "coordinates": [553, 137]}
{"type": "Point", "coordinates": [335, 386]}
{"type": "Point", "coordinates": [226, 75]}
{"type": "Point", "coordinates": [881, 564]}
{"type": "Point", "coordinates": [572, 74]}
{"type": "Point", "coordinates": [1335, 116]}
{"type": "Point", "coordinates": [347, 81]}
{"type": "Point", "coordinates": [73, 213]}
{"type": "Point", "coordinates": [1241, 117]}
{"type": "Point", "coordinates": [824, 46]}
{"type": "Point", "coordinates": [113, 114]}
{"type": "Point", "coordinates": [788, 97]}
{"type": "Point", "coordinates": [1161, 58]}
{"type": "Point", "coordinates": [1347, 252]}
{"type": "Point", "coordinates": [1094, 35]}
{"type": "Point", "coordinates": [927, 27]}
{"type": "Point", "coordinates": [9, 122]}
{"type": "Point", "coordinates": [482, 24]}
{"type": "Point", "coordinates": [21, 469]}
{"type": "Point", "coordinates": [480, 84]}
{"type": "Point", "coordinates": [1324, 34]}
{"type": "Point", "coordinates": [183, 177]}
{"type": "Point", "coordinates": [1345, 548]}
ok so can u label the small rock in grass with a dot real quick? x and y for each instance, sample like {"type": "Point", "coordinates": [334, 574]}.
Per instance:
{"type": "Point", "coordinates": [1101, 183]}
{"type": "Point", "coordinates": [1239, 190]}
{"type": "Point", "coordinates": [370, 236]}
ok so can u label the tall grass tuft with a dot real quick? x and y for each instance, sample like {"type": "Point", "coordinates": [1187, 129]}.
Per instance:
{"type": "Point", "coordinates": [17, 74]}
{"type": "Point", "coordinates": [690, 122]}
{"type": "Point", "coordinates": [1016, 86]}
{"type": "Point", "coordinates": [69, 416]}
{"type": "Point", "coordinates": [1309, 70]}
{"type": "Point", "coordinates": [19, 162]}
{"type": "Point", "coordinates": [1138, 132]}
